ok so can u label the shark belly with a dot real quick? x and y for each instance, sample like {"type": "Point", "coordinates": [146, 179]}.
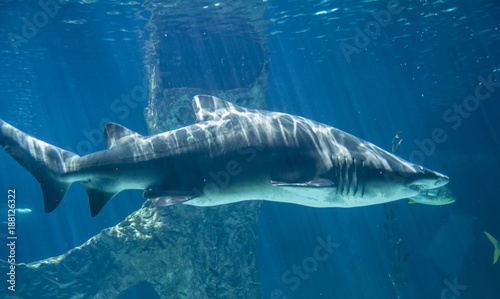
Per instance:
{"type": "Point", "coordinates": [318, 197]}
{"type": "Point", "coordinates": [263, 189]}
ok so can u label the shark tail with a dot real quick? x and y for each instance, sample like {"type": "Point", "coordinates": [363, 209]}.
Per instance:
{"type": "Point", "coordinates": [496, 254]}
{"type": "Point", "coordinates": [47, 163]}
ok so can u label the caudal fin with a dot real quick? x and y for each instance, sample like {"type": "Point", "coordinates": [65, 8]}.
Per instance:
{"type": "Point", "coordinates": [496, 254]}
{"type": "Point", "coordinates": [47, 163]}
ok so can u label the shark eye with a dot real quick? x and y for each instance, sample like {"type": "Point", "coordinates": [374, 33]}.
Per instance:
{"type": "Point", "coordinates": [421, 169]}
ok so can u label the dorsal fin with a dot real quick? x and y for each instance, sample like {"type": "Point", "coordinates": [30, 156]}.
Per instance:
{"type": "Point", "coordinates": [210, 108]}
{"type": "Point", "coordinates": [114, 133]}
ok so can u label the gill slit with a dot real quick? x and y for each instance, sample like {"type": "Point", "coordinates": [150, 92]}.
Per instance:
{"type": "Point", "coordinates": [340, 188]}
{"type": "Point", "coordinates": [350, 174]}
{"type": "Point", "coordinates": [362, 178]}
{"type": "Point", "coordinates": [347, 180]}
{"type": "Point", "coordinates": [355, 177]}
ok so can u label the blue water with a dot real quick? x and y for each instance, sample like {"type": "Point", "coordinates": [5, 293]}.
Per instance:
{"type": "Point", "coordinates": [416, 74]}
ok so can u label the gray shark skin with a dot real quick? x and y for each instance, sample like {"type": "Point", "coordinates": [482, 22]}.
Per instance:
{"type": "Point", "coordinates": [231, 154]}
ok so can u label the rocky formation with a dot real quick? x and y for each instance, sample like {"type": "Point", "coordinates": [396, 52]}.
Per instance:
{"type": "Point", "coordinates": [183, 251]}
{"type": "Point", "coordinates": [173, 109]}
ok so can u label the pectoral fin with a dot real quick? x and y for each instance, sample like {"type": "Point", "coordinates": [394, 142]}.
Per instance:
{"type": "Point", "coordinates": [164, 198]}
{"type": "Point", "coordinates": [165, 201]}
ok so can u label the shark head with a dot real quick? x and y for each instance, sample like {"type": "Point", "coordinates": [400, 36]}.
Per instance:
{"type": "Point", "coordinates": [424, 178]}
{"type": "Point", "coordinates": [401, 180]}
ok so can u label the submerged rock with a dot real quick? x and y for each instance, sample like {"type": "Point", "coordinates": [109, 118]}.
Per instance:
{"type": "Point", "coordinates": [182, 251]}
{"type": "Point", "coordinates": [172, 109]}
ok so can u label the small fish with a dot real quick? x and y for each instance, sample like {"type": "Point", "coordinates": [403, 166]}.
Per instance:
{"type": "Point", "coordinates": [321, 13]}
{"type": "Point", "coordinates": [435, 197]}
{"type": "Point", "coordinates": [23, 210]}
{"type": "Point", "coordinates": [18, 211]}
{"type": "Point", "coordinates": [303, 30]}
{"type": "Point", "coordinates": [496, 244]}
{"type": "Point", "coordinates": [75, 22]}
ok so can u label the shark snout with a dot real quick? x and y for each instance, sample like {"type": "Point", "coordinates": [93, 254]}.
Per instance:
{"type": "Point", "coordinates": [428, 179]}
{"type": "Point", "coordinates": [438, 178]}
{"type": "Point", "coordinates": [441, 180]}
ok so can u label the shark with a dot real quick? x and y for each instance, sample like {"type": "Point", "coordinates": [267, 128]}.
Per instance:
{"type": "Point", "coordinates": [230, 154]}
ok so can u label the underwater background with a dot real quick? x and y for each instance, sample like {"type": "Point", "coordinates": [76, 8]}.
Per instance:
{"type": "Point", "coordinates": [370, 68]}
